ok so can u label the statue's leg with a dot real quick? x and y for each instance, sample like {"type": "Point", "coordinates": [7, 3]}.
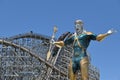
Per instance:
{"type": "Point", "coordinates": [71, 74]}
{"type": "Point", "coordinates": [84, 63]}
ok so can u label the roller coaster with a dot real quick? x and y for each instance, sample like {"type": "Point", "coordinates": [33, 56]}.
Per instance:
{"type": "Point", "coordinates": [23, 57]}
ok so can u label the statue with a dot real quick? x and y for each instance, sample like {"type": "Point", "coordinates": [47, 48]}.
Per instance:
{"type": "Point", "coordinates": [80, 40]}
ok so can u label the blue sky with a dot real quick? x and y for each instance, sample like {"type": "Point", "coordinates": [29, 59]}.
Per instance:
{"type": "Point", "coordinates": [39, 16]}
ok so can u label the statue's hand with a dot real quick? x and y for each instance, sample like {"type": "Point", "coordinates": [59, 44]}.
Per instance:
{"type": "Point", "coordinates": [111, 31]}
{"type": "Point", "coordinates": [52, 41]}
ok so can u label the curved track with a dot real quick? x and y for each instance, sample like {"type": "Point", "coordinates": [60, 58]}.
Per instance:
{"type": "Point", "coordinates": [23, 57]}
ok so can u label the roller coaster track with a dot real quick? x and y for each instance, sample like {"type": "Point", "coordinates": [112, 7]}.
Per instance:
{"type": "Point", "coordinates": [30, 35]}
{"type": "Point", "coordinates": [29, 50]}
{"type": "Point", "coordinates": [31, 53]}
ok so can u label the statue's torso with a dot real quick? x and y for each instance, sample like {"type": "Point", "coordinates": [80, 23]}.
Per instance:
{"type": "Point", "coordinates": [80, 45]}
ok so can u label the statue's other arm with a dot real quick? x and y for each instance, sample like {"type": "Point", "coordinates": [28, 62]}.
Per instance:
{"type": "Point", "coordinates": [62, 43]}
{"type": "Point", "coordinates": [59, 43]}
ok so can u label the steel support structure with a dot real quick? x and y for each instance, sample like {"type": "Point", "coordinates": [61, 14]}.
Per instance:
{"type": "Point", "coordinates": [23, 57]}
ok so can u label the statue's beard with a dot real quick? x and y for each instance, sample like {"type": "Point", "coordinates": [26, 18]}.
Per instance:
{"type": "Point", "coordinates": [79, 29]}
{"type": "Point", "coordinates": [79, 32]}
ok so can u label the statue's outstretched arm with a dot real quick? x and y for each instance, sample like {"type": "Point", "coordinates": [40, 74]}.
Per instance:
{"type": "Point", "coordinates": [100, 37]}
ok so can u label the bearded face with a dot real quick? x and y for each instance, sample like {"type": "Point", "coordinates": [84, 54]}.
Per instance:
{"type": "Point", "coordinates": [79, 28]}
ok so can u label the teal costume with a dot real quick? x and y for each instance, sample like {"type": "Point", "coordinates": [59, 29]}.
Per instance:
{"type": "Point", "coordinates": [79, 46]}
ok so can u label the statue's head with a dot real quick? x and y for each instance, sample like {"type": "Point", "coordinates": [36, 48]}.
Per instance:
{"type": "Point", "coordinates": [79, 26]}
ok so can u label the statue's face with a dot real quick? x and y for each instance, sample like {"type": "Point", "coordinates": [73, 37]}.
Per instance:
{"type": "Point", "coordinates": [79, 28]}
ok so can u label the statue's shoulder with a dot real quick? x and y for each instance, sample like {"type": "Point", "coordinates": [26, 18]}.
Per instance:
{"type": "Point", "coordinates": [88, 33]}
{"type": "Point", "coordinates": [71, 35]}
